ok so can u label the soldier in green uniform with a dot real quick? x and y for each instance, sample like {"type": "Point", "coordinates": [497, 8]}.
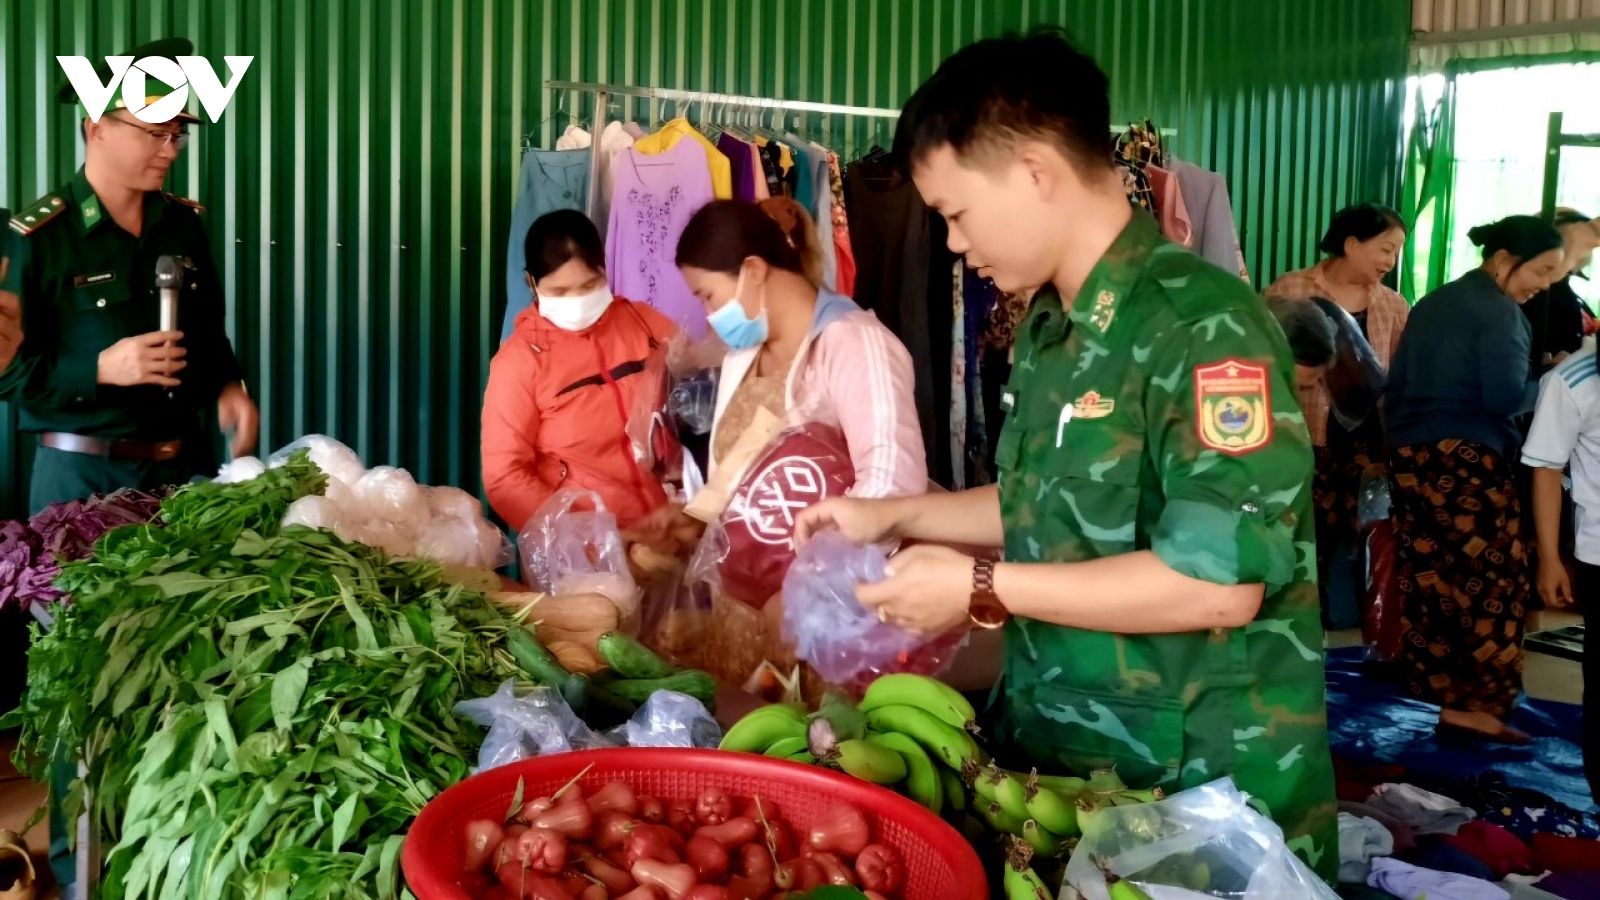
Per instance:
{"type": "Point", "coordinates": [114, 401]}
{"type": "Point", "coordinates": [1157, 587]}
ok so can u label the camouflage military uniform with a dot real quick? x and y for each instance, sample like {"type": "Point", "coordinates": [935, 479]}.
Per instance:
{"type": "Point", "coordinates": [1159, 414]}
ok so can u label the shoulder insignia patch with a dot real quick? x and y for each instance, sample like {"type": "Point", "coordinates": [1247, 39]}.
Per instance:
{"type": "Point", "coordinates": [29, 218]}
{"type": "Point", "coordinates": [1233, 406]}
{"type": "Point", "coordinates": [1093, 406]}
{"type": "Point", "coordinates": [185, 201]}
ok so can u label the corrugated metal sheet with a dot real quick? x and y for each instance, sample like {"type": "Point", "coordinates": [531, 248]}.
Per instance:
{"type": "Point", "coordinates": [1488, 29]}
{"type": "Point", "coordinates": [360, 182]}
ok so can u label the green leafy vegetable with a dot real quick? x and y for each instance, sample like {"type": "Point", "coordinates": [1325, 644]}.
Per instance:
{"type": "Point", "coordinates": [263, 714]}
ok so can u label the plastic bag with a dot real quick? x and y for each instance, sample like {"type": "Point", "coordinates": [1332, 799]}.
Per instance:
{"type": "Point", "coordinates": [472, 543]}
{"type": "Point", "coordinates": [831, 630]}
{"type": "Point", "coordinates": [693, 401]}
{"type": "Point", "coordinates": [670, 719]}
{"type": "Point", "coordinates": [453, 503]}
{"type": "Point", "coordinates": [245, 468]}
{"type": "Point", "coordinates": [651, 431]}
{"type": "Point", "coordinates": [748, 550]}
{"type": "Point", "coordinates": [1373, 502]}
{"type": "Point", "coordinates": [1355, 379]}
{"type": "Point", "coordinates": [1203, 842]}
{"type": "Point", "coordinates": [334, 459]}
{"type": "Point", "coordinates": [392, 496]}
{"type": "Point", "coordinates": [536, 724]}
{"type": "Point", "coordinates": [569, 551]}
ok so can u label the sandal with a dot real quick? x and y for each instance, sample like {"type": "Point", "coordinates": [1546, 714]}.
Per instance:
{"type": "Point", "coordinates": [16, 867]}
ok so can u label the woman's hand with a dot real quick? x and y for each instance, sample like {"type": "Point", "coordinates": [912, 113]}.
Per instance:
{"type": "Point", "coordinates": [860, 521]}
{"type": "Point", "coordinates": [929, 590]}
{"type": "Point", "coordinates": [667, 530]}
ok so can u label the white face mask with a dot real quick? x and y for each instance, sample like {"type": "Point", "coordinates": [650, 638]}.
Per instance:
{"type": "Point", "coordinates": [575, 313]}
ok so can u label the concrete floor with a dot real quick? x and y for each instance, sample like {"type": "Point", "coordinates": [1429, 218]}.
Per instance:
{"type": "Point", "coordinates": [1546, 678]}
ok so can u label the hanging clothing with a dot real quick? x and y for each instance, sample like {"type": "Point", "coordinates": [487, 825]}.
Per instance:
{"type": "Point", "coordinates": [767, 152]}
{"type": "Point", "coordinates": [717, 165]}
{"type": "Point", "coordinates": [1205, 196]}
{"type": "Point", "coordinates": [655, 196]}
{"type": "Point", "coordinates": [1175, 224]}
{"type": "Point", "coordinates": [903, 275]}
{"type": "Point", "coordinates": [1458, 534]}
{"type": "Point", "coordinates": [744, 181]}
{"type": "Point", "coordinates": [843, 252]}
{"type": "Point", "coordinates": [550, 180]}
{"type": "Point", "coordinates": [633, 130]}
{"type": "Point", "coordinates": [574, 138]}
{"type": "Point", "coordinates": [757, 175]}
{"type": "Point", "coordinates": [614, 139]}
{"type": "Point", "coordinates": [816, 195]}
{"type": "Point", "coordinates": [978, 302]}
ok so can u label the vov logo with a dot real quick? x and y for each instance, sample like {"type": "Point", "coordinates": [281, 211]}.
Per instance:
{"type": "Point", "coordinates": [187, 72]}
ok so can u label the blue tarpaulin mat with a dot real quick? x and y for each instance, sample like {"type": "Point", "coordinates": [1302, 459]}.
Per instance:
{"type": "Point", "coordinates": [1372, 722]}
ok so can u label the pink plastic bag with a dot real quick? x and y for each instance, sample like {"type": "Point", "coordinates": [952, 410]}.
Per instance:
{"type": "Point", "coordinates": [572, 546]}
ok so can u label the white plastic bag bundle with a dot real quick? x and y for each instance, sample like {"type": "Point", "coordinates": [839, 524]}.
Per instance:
{"type": "Point", "coordinates": [337, 461]}
{"type": "Point", "coordinates": [245, 468]}
{"type": "Point", "coordinates": [1206, 842]}
{"type": "Point", "coordinates": [392, 496]}
{"type": "Point", "coordinates": [453, 503]}
{"type": "Point", "coordinates": [313, 512]}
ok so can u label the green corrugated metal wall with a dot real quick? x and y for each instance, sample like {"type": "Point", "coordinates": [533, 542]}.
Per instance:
{"type": "Point", "coordinates": [360, 183]}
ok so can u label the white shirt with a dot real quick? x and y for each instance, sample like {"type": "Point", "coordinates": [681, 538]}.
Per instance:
{"type": "Point", "coordinates": [1566, 433]}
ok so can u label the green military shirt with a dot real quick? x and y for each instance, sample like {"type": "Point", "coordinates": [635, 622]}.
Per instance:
{"type": "Point", "coordinates": [1158, 413]}
{"type": "Point", "coordinates": [84, 284]}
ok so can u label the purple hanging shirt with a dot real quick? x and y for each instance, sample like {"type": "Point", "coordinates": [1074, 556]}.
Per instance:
{"type": "Point", "coordinates": [652, 198]}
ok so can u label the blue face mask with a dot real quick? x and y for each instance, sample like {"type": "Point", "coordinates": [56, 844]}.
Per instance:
{"type": "Point", "coordinates": [737, 330]}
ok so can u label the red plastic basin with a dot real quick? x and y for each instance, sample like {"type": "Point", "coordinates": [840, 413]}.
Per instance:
{"type": "Point", "coordinates": [939, 862]}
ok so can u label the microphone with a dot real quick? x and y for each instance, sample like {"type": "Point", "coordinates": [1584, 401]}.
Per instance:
{"type": "Point", "coordinates": [169, 276]}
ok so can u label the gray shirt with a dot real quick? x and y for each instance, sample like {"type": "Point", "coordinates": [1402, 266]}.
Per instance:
{"type": "Point", "coordinates": [1462, 368]}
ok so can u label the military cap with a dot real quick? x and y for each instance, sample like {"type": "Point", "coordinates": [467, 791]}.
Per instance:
{"type": "Point", "coordinates": [155, 89]}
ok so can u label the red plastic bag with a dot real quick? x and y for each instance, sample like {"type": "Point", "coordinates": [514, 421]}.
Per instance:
{"type": "Point", "coordinates": [1381, 630]}
{"type": "Point", "coordinates": [748, 550]}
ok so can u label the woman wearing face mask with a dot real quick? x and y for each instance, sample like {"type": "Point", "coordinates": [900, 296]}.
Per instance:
{"type": "Point", "coordinates": [1460, 378]}
{"type": "Point", "coordinates": [803, 352]}
{"type": "Point", "coordinates": [1361, 244]}
{"type": "Point", "coordinates": [555, 412]}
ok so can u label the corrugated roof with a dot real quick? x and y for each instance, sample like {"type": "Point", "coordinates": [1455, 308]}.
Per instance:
{"type": "Point", "coordinates": [1484, 29]}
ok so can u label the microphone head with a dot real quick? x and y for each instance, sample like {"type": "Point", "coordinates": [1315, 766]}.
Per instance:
{"type": "Point", "coordinates": [168, 273]}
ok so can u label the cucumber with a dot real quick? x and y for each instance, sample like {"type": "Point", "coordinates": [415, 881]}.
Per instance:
{"type": "Point", "coordinates": [695, 683]}
{"type": "Point", "coordinates": [632, 659]}
{"type": "Point", "coordinates": [542, 666]}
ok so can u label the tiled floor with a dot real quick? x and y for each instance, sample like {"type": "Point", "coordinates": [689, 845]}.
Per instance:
{"type": "Point", "coordinates": [1546, 678]}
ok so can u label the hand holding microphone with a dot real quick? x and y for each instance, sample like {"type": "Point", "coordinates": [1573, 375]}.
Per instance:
{"type": "Point", "coordinates": [150, 359]}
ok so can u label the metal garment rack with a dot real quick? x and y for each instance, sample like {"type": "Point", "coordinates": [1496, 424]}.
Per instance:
{"type": "Point", "coordinates": [603, 92]}
{"type": "Point", "coordinates": [1559, 140]}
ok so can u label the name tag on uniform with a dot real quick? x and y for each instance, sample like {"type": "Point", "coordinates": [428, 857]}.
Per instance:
{"type": "Point", "coordinates": [86, 280]}
{"type": "Point", "coordinates": [1008, 401]}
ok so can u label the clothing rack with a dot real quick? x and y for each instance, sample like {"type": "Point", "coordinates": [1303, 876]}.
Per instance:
{"type": "Point", "coordinates": [604, 91]}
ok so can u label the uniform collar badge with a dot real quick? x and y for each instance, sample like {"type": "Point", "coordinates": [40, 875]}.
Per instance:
{"type": "Point", "coordinates": [1104, 310]}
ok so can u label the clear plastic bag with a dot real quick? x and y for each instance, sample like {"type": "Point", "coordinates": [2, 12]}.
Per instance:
{"type": "Point", "coordinates": [1203, 842]}
{"type": "Point", "coordinates": [538, 723]}
{"type": "Point", "coordinates": [313, 511]}
{"type": "Point", "coordinates": [748, 550]}
{"type": "Point", "coordinates": [1381, 604]}
{"type": "Point", "coordinates": [830, 629]}
{"type": "Point", "coordinates": [472, 543]}
{"type": "Point", "coordinates": [1372, 505]}
{"type": "Point", "coordinates": [389, 495]}
{"type": "Point", "coordinates": [693, 401]}
{"type": "Point", "coordinates": [335, 459]}
{"type": "Point", "coordinates": [670, 719]}
{"type": "Point", "coordinates": [571, 550]}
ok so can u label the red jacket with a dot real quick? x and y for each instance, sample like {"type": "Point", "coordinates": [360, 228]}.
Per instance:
{"type": "Point", "coordinates": [555, 413]}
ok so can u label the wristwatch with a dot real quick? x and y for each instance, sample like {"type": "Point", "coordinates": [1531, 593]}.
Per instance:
{"type": "Point", "coordinates": [986, 611]}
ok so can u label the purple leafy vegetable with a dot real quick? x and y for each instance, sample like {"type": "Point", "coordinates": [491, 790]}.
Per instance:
{"type": "Point", "coordinates": [31, 553]}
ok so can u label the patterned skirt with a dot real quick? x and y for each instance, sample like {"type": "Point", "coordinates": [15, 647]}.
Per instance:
{"type": "Point", "coordinates": [1463, 574]}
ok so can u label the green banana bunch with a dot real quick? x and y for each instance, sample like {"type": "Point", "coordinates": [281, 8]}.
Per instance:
{"type": "Point", "coordinates": [929, 694]}
{"type": "Point", "coordinates": [869, 762]}
{"type": "Point", "coordinates": [836, 720]}
{"type": "Point", "coordinates": [761, 729]}
{"type": "Point", "coordinates": [1116, 887]}
{"type": "Point", "coordinates": [952, 746]}
{"type": "Point", "coordinates": [1020, 881]}
{"type": "Point", "coordinates": [1105, 790]}
{"type": "Point", "coordinates": [924, 782]}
